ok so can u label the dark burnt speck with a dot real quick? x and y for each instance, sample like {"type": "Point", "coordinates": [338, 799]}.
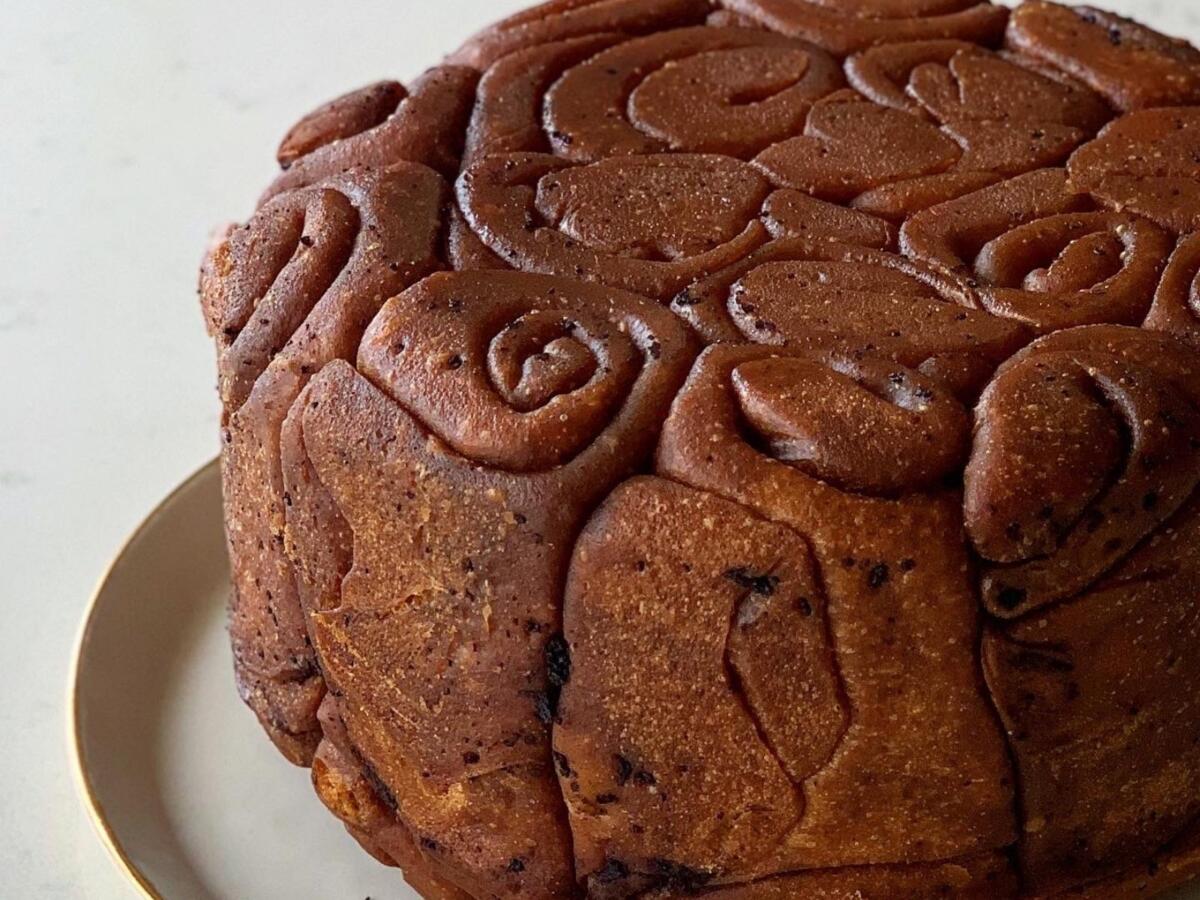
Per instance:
{"type": "Point", "coordinates": [545, 707]}
{"type": "Point", "coordinates": [624, 770]}
{"type": "Point", "coordinates": [678, 877]}
{"type": "Point", "coordinates": [764, 584]}
{"type": "Point", "coordinates": [1010, 597]}
{"type": "Point", "coordinates": [562, 764]}
{"type": "Point", "coordinates": [612, 871]}
{"type": "Point", "coordinates": [558, 660]}
{"type": "Point", "coordinates": [878, 575]}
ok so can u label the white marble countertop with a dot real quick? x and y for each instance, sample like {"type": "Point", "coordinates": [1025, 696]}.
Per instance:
{"type": "Point", "coordinates": [131, 127]}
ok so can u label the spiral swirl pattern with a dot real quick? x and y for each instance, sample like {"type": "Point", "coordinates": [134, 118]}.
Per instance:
{"type": "Point", "coordinates": [617, 221]}
{"type": "Point", "coordinates": [424, 128]}
{"type": "Point", "coordinates": [508, 106]}
{"type": "Point", "coordinates": [558, 603]}
{"type": "Point", "coordinates": [1006, 115]}
{"type": "Point", "coordinates": [510, 370]}
{"type": "Point", "coordinates": [861, 425]}
{"type": "Point", "coordinates": [280, 266]}
{"type": "Point", "coordinates": [799, 295]}
{"type": "Point", "coordinates": [1092, 555]}
{"type": "Point", "coordinates": [750, 426]}
{"type": "Point", "coordinates": [1122, 432]}
{"type": "Point", "coordinates": [956, 352]}
{"type": "Point", "coordinates": [546, 393]}
{"type": "Point", "coordinates": [698, 90]}
{"type": "Point", "coordinates": [341, 119]}
{"type": "Point", "coordinates": [1034, 249]}
{"type": "Point", "coordinates": [851, 145]}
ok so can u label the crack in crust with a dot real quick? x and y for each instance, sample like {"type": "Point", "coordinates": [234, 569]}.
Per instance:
{"type": "Point", "coordinates": [548, 616]}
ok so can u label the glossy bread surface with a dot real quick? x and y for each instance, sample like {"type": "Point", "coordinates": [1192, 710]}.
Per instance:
{"type": "Point", "coordinates": [747, 449]}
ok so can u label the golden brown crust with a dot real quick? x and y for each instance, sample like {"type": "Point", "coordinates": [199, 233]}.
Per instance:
{"type": "Point", "coordinates": [1175, 864]}
{"type": "Point", "coordinates": [886, 593]}
{"type": "Point", "coordinates": [1176, 308]}
{"type": "Point", "coordinates": [561, 19]}
{"type": "Point", "coordinates": [891, 792]}
{"type": "Point", "coordinates": [1007, 115]}
{"type": "Point", "coordinates": [1036, 249]}
{"type": "Point", "coordinates": [340, 119]}
{"type": "Point", "coordinates": [797, 294]}
{"type": "Point", "coordinates": [675, 743]}
{"type": "Point", "coordinates": [426, 127]}
{"type": "Point", "coordinates": [693, 90]}
{"type": "Point", "coordinates": [1146, 163]}
{"type": "Point", "coordinates": [1106, 525]}
{"type": "Point", "coordinates": [1133, 66]}
{"type": "Point", "coordinates": [286, 294]}
{"type": "Point", "coordinates": [462, 597]}
{"type": "Point", "coordinates": [1086, 443]}
{"type": "Point", "coordinates": [843, 28]}
{"type": "Point", "coordinates": [541, 214]}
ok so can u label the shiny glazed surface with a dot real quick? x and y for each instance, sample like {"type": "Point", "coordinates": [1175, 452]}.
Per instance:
{"type": "Point", "coordinates": [748, 451]}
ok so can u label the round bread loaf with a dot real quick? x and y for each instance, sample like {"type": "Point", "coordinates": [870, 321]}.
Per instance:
{"type": "Point", "coordinates": [746, 449]}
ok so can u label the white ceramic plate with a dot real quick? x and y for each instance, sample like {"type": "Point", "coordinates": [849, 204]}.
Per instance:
{"type": "Point", "coordinates": [189, 796]}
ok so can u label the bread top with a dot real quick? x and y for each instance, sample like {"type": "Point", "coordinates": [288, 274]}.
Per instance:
{"type": "Point", "coordinates": [912, 281]}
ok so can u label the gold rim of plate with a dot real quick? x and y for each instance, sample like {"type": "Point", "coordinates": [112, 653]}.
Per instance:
{"type": "Point", "coordinates": [83, 780]}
